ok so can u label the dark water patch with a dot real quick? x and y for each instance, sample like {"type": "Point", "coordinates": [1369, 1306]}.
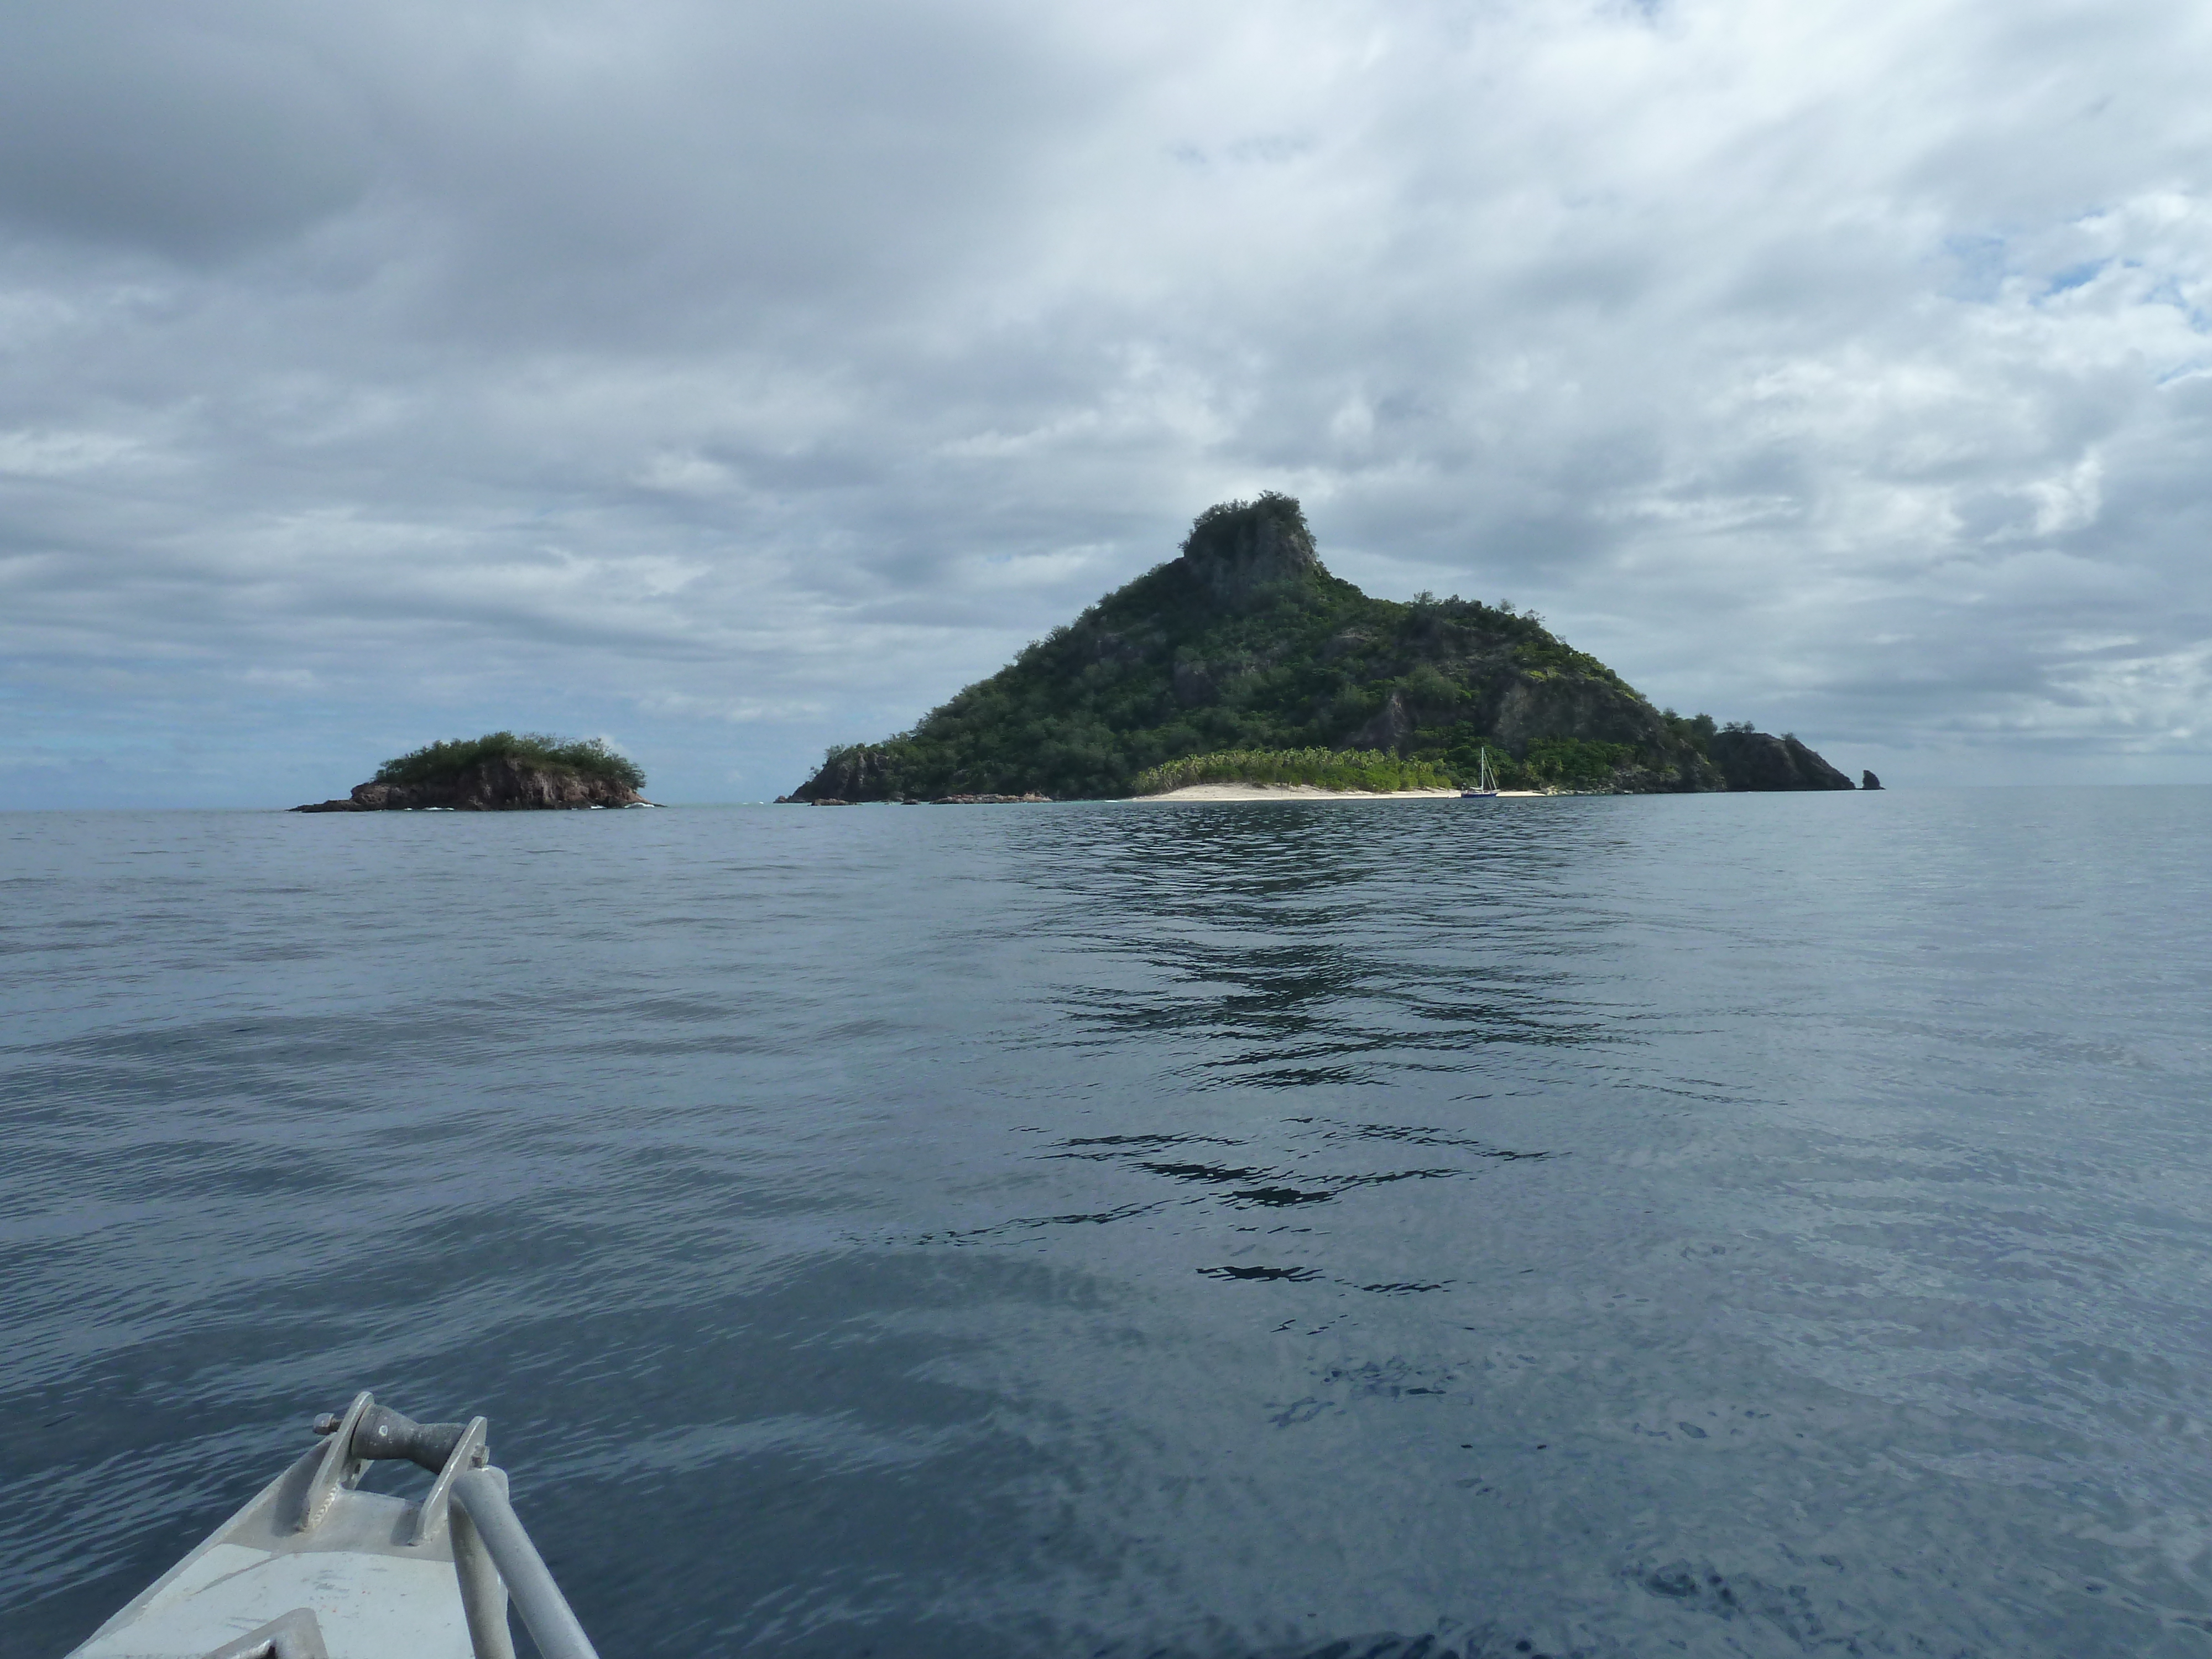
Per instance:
{"type": "Point", "coordinates": [1387, 1177]}
{"type": "Point", "coordinates": [1417, 1136]}
{"type": "Point", "coordinates": [1394, 1378]}
{"type": "Point", "coordinates": [1211, 1173]}
{"type": "Point", "coordinates": [1145, 1143]}
{"type": "Point", "coordinates": [1027, 1223]}
{"type": "Point", "coordinates": [1260, 1072]}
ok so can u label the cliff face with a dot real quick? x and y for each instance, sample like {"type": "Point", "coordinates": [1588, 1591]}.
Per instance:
{"type": "Point", "coordinates": [1236, 557]}
{"type": "Point", "coordinates": [498, 784]}
{"type": "Point", "coordinates": [1758, 760]}
{"type": "Point", "coordinates": [1246, 641]}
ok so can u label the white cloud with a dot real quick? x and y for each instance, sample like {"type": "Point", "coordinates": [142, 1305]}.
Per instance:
{"type": "Point", "coordinates": [61, 454]}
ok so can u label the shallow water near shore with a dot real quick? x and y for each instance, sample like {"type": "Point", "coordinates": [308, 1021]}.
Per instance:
{"type": "Point", "coordinates": [1611, 1226]}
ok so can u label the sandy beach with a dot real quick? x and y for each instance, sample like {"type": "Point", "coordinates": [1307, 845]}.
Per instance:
{"type": "Point", "coordinates": [1305, 792]}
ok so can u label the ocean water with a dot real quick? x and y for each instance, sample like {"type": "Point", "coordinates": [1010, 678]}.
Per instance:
{"type": "Point", "coordinates": [1711, 1225]}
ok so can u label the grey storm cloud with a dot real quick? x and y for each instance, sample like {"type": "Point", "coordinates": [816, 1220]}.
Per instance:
{"type": "Point", "coordinates": [730, 381]}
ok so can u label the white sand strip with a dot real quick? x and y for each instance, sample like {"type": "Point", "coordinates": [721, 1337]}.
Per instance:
{"type": "Point", "coordinates": [1303, 792]}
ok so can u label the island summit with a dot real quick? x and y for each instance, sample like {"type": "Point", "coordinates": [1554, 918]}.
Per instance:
{"type": "Point", "coordinates": [1244, 658]}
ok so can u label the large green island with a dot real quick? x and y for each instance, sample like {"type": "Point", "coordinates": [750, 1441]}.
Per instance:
{"type": "Point", "coordinates": [1245, 646]}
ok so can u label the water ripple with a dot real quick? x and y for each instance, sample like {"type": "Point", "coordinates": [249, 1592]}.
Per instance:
{"type": "Point", "coordinates": [1301, 1231]}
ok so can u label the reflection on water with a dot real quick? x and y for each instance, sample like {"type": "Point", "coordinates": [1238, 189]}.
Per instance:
{"type": "Point", "coordinates": [1610, 1227]}
{"type": "Point", "coordinates": [1264, 932]}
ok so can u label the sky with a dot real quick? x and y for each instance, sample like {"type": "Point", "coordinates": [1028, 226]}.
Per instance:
{"type": "Point", "coordinates": [729, 380]}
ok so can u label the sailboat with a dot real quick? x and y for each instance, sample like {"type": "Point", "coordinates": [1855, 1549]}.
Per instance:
{"type": "Point", "coordinates": [1486, 787]}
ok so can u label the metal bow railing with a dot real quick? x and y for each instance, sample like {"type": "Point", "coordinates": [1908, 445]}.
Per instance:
{"type": "Point", "coordinates": [493, 1557]}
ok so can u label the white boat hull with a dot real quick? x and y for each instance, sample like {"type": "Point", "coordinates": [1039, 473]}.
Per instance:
{"type": "Point", "coordinates": [314, 1568]}
{"type": "Point", "coordinates": [373, 1593]}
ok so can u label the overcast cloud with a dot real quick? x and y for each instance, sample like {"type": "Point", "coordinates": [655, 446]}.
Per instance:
{"type": "Point", "coordinates": [731, 379]}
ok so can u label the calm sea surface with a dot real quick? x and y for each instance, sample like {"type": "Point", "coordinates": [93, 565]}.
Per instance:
{"type": "Point", "coordinates": [1713, 1225]}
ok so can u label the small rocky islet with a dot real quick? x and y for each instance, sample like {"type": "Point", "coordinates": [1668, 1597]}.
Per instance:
{"type": "Point", "coordinates": [1245, 644]}
{"type": "Point", "coordinates": [498, 772]}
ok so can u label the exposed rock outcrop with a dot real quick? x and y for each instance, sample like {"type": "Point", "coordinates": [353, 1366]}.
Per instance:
{"type": "Point", "coordinates": [1236, 552]}
{"type": "Point", "coordinates": [850, 774]}
{"type": "Point", "coordinates": [500, 784]}
{"type": "Point", "coordinates": [1393, 723]}
{"type": "Point", "coordinates": [1867, 780]}
{"type": "Point", "coordinates": [1761, 761]}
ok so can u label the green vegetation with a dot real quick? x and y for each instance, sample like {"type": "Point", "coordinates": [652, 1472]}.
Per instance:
{"type": "Point", "coordinates": [589, 757]}
{"type": "Point", "coordinates": [1245, 645]}
{"type": "Point", "coordinates": [1374, 771]}
{"type": "Point", "coordinates": [1696, 730]}
{"type": "Point", "coordinates": [1574, 763]}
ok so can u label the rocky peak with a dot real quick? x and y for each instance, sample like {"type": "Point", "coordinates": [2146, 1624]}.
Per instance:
{"type": "Point", "coordinates": [1239, 548]}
